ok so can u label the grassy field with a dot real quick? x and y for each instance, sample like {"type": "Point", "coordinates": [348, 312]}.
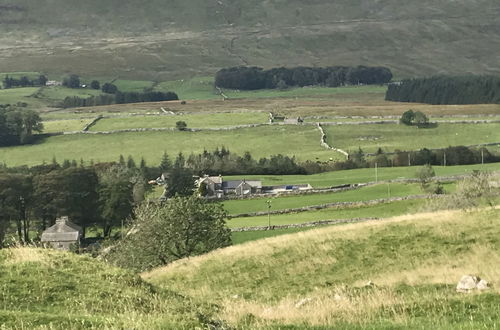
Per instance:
{"type": "Point", "coordinates": [374, 211]}
{"type": "Point", "coordinates": [316, 279]}
{"type": "Point", "coordinates": [260, 142]}
{"type": "Point", "coordinates": [14, 95]}
{"type": "Point", "coordinates": [193, 121]}
{"type": "Point", "coordinates": [46, 289]}
{"type": "Point", "coordinates": [296, 201]}
{"type": "Point", "coordinates": [390, 137]}
{"type": "Point", "coordinates": [362, 175]}
{"type": "Point", "coordinates": [65, 125]}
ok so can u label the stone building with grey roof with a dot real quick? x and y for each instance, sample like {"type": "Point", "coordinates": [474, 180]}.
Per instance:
{"type": "Point", "coordinates": [62, 234]}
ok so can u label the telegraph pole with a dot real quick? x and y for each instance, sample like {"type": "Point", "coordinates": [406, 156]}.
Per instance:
{"type": "Point", "coordinates": [268, 213]}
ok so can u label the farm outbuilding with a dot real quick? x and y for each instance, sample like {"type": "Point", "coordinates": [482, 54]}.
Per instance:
{"type": "Point", "coordinates": [62, 234]}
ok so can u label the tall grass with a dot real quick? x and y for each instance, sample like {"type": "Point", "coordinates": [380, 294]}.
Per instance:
{"type": "Point", "coordinates": [319, 277]}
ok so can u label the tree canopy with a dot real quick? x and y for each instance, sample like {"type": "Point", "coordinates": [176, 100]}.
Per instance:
{"type": "Point", "coordinates": [178, 228]}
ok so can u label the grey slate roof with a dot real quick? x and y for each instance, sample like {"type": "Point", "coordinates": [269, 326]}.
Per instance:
{"type": "Point", "coordinates": [62, 231]}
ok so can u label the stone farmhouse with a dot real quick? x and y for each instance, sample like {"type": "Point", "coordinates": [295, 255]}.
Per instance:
{"type": "Point", "coordinates": [217, 187]}
{"type": "Point", "coordinates": [62, 234]}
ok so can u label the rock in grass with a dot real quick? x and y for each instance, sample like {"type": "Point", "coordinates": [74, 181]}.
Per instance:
{"type": "Point", "coordinates": [469, 282]}
{"type": "Point", "coordinates": [483, 285]}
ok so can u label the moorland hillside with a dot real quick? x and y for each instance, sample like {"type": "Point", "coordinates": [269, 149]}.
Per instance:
{"type": "Point", "coordinates": [174, 39]}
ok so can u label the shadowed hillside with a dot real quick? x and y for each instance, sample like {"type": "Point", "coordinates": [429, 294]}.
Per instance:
{"type": "Point", "coordinates": [167, 39]}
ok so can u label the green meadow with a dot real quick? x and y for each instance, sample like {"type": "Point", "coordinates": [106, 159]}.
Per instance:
{"type": "Point", "coordinates": [301, 142]}
{"type": "Point", "coordinates": [214, 120]}
{"type": "Point", "coordinates": [382, 210]}
{"type": "Point", "coordinates": [296, 201]}
{"type": "Point", "coordinates": [362, 175]}
{"type": "Point", "coordinates": [392, 137]}
{"type": "Point", "coordinates": [65, 125]}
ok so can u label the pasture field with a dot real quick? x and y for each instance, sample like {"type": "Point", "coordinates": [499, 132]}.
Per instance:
{"type": "Point", "coordinates": [14, 95]}
{"type": "Point", "coordinates": [302, 142]}
{"type": "Point", "coordinates": [391, 137]}
{"type": "Point", "coordinates": [58, 93]}
{"type": "Point", "coordinates": [362, 175]}
{"type": "Point", "coordinates": [213, 120]}
{"type": "Point", "coordinates": [317, 278]}
{"type": "Point", "coordinates": [130, 85]}
{"type": "Point", "coordinates": [295, 201]}
{"type": "Point", "coordinates": [383, 210]}
{"type": "Point", "coordinates": [65, 125]}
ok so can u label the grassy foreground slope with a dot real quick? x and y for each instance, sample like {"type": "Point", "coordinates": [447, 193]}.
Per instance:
{"type": "Point", "coordinates": [161, 40]}
{"type": "Point", "coordinates": [317, 277]}
{"type": "Point", "coordinates": [56, 290]}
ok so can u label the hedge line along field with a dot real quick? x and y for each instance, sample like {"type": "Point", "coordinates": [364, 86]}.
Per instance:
{"type": "Point", "coordinates": [391, 137]}
{"type": "Point", "coordinates": [379, 191]}
{"type": "Point", "coordinates": [318, 278]}
{"type": "Point", "coordinates": [302, 142]}
{"type": "Point", "coordinates": [213, 120]}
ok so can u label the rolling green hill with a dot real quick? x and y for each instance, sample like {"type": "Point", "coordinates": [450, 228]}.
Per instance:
{"type": "Point", "coordinates": [47, 289]}
{"type": "Point", "coordinates": [318, 278]}
{"type": "Point", "coordinates": [161, 40]}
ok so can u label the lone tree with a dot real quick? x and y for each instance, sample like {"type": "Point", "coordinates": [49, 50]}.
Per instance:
{"type": "Point", "coordinates": [181, 125]}
{"type": "Point", "coordinates": [109, 88]}
{"type": "Point", "coordinates": [71, 81]}
{"type": "Point", "coordinates": [417, 118]}
{"type": "Point", "coordinates": [179, 228]}
{"type": "Point", "coordinates": [95, 84]}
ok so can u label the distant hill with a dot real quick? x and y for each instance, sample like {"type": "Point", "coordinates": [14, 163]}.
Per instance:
{"type": "Point", "coordinates": [162, 40]}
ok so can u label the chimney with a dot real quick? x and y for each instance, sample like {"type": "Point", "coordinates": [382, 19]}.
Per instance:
{"type": "Point", "coordinates": [62, 219]}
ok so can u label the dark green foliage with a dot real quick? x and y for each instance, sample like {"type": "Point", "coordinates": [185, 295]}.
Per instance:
{"type": "Point", "coordinates": [181, 125]}
{"type": "Point", "coordinates": [251, 78]}
{"type": "Point", "coordinates": [407, 117]}
{"type": "Point", "coordinates": [95, 84]}
{"type": "Point", "coordinates": [222, 161]}
{"type": "Point", "coordinates": [116, 197]}
{"type": "Point", "coordinates": [446, 90]}
{"type": "Point", "coordinates": [71, 81]}
{"type": "Point", "coordinates": [9, 82]}
{"type": "Point", "coordinates": [178, 228]}
{"type": "Point", "coordinates": [109, 88]}
{"type": "Point", "coordinates": [117, 98]}
{"type": "Point", "coordinates": [165, 163]}
{"type": "Point", "coordinates": [16, 196]}
{"type": "Point", "coordinates": [18, 125]}
{"type": "Point", "coordinates": [417, 118]}
{"type": "Point", "coordinates": [180, 179]}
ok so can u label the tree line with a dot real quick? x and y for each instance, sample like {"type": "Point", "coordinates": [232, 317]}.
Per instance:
{"type": "Point", "coordinates": [251, 78]}
{"type": "Point", "coordinates": [24, 81]}
{"type": "Point", "coordinates": [446, 90]}
{"type": "Point", "coordinates": [117, 98]}
{"type": "Point", "coordinates": [18, 125]}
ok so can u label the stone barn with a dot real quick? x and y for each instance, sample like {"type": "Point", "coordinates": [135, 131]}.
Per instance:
{"type": "Point", "coordinates": [62, 235]}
